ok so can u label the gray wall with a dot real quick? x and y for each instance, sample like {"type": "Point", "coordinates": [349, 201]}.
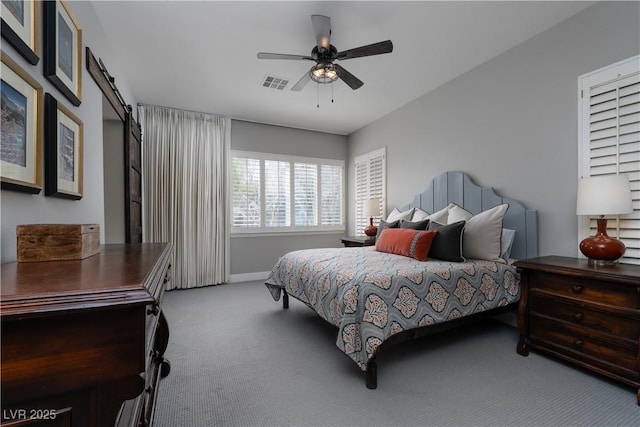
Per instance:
{"type": "Point", "coordinates": [511, 123]}
{"type": "Point", "coordinates": [250, 254]}
{"type": "Point", "coordinates": [20, 208]}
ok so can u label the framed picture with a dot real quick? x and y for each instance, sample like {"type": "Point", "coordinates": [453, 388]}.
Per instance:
{"type": "Point", "coordinates": [21, 146]}
{"type": "Point", "coordinates": [63, 133]}
{"type": "Point", "coordinates": [21, 27]}
{"type": "Point", "coordinates": [62, 49]}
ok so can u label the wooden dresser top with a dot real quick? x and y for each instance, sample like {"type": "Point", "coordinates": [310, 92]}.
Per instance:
{"type": "Point", "coordinates": [619, 273]}
{"type": "Point", "coordinates": [117, 275]}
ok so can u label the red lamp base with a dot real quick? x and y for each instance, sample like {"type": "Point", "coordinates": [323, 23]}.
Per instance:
{"type": "Point", "coordinates": [371, 230]}
{"type": "Point", "coordinates": [602, 249]}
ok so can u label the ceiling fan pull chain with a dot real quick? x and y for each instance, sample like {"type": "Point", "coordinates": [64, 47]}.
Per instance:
{"type": "Point", "coordinates": [317, 96]}
{"type": "Point", "coordinates": [332, 93]}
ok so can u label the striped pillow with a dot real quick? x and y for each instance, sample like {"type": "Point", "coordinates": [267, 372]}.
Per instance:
{"type": "Point", "coordinates": [406, 242]}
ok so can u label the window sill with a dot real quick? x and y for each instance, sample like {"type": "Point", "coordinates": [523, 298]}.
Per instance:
{"type": "Point", "coordinates": [285, 233]}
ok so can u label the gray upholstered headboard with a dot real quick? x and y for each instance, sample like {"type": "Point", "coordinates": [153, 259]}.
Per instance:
{"type": "Point", "coordinates": [456, 187]}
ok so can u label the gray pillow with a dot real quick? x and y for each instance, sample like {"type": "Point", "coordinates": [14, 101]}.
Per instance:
{"type": "Point", "coordinates": [415, 225]}
{"type": "Point", "coordinates": [447, 243]}
{"type": "Point", "coordinates": [384, 224]}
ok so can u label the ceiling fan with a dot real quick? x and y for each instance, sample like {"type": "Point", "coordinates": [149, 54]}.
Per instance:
{"type": "Point", "coordinates": [325, 54]}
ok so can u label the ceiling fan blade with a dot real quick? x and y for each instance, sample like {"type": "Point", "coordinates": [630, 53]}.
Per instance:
{"type": "Point", "coordinates": [300, 84]}
{"type": "Point", "coordinates": [352, 81]}
{"type": "Point", "coordinates": [368, 50]}
{"type": "Point", "coordinates": [322, 30]}
{"type": "Point", "coordinates": [266, 55]}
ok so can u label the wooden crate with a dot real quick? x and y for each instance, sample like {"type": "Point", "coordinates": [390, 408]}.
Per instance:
{"type": "Point", "coordinates": [57, 242]}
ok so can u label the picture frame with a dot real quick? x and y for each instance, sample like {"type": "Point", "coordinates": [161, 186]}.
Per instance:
{"type": "Point", "coordinates": [63, 152]}
{"type": "Point", "coordinates": [62, 49]}
{"type": "Point", "coordinates": [21, 27]}
{"type": "Point", "coordinates": [22, 130]}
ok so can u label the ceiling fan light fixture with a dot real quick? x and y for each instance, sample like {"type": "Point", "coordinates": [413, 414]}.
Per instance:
{"type": "Point", "coordinates": [324, 53]}
{"type": "Point", "coordinates": [324, 73]}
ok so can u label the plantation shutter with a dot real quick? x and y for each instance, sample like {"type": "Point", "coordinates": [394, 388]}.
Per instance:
{"type": "Point", "coordinates": [274, 193]}
{"type": "Point", "coordinates": [246, 192]}
{"type": "Point", "coordinates": [277, 193]}
{"type": "Point", "coordinates": [610, 143]}
{"type": "Point", "coordinates": [306, 194]}
{"type": "Point", "coordinates": [331, 194]}
{"type": "Point", "coordinates": [370, 176]}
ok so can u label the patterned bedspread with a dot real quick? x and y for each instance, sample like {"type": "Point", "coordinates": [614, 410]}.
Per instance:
{"type": "Point", "coordinates": [371, 295]}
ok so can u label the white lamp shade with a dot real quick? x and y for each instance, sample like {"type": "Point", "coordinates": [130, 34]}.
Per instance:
{"type": "Point", "coordinates": [371, 207]}
{"type": "Point", "coordinates": [604, 195]}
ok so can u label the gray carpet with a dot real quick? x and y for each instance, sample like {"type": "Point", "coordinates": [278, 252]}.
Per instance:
{"type": "Point", "coordinates": [239, 359]}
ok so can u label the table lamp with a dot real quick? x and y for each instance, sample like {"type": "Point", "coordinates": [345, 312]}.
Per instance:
{"type": "Point", "coordinates": [603, 195]}
{"type": "Point", "coordinates": [371, 209]}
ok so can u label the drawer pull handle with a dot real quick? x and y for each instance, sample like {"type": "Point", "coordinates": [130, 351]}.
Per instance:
{"type": "Point", "coordinates": [155, 309]}
{"type": "Point", "coordinates": [577, 343]}
{"type": "Point", "coordinates": [578, 316]}
{"type": "Point", "coordinates": [578, 289]}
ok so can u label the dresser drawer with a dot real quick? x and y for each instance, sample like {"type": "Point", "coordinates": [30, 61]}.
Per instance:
{"type": "Point", "coordinates": [624, 327]}
{"type": "Point", "coordinates": [577, 341]}
{"type": "Point", "coordinates": [625, 297]}
{"type": "Point", "coordinates": [156, 287]}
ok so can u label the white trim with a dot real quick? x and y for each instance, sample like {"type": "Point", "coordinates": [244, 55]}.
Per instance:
{"type": "Point", "coordinates": [291, 231]}
{"type": "Point", "coordinates": [285, 157]}
{"type": "Point", "coordinates": [249, 277]}
{"type": "Point", "coordinates": [380, 152]}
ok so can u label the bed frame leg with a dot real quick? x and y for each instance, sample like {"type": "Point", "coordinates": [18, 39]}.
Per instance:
{"type": "Point", "coordinates": [372, 374]}
{"type": "Point", "coordinates": [285, 299]}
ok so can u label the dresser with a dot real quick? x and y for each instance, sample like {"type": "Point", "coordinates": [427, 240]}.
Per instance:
{"type": "Point", "coordinates": [586, 315]}
{"type": "Point", "coordinates": [83, 341]}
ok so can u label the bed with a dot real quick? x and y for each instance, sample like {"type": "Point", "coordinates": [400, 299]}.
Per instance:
{"type": "Point", "coordinates": [376, 298]}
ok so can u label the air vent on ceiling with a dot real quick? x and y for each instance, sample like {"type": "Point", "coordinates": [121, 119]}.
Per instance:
{"type": "Point", "coordinates": [273, 82]}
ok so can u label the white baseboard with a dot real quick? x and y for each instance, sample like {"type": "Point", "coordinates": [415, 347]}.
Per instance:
{"type": "Point", "coordinates": [248, 277]}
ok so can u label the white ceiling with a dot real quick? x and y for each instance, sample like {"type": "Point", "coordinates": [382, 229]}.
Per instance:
{"type": "Point", "coordinates": [201, 56]}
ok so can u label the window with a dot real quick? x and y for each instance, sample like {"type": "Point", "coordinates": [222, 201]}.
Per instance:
{"type": "Point", "coordinates": [610, 142]}
{"type": "Point", "coordinates": [275, 193]}
{"type": "Point", "coordinates": [370, 176]}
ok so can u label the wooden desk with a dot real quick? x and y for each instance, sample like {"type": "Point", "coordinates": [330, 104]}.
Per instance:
{"type": "Point", "coordinates": [586, 315]}
{"type": "Point", "coordinates": [81, 337]}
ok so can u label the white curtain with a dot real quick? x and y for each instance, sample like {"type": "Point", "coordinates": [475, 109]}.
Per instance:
{"type": "Point", "coordinates": [185, 191]}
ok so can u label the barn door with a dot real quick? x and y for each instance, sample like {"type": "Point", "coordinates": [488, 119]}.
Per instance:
{"type": "Point", "coordinates": [132, 180]}
{"type": "Point", "coordinates": [132, 147]}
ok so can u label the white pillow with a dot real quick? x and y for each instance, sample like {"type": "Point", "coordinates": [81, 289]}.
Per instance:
{"type": "Point", "coordinates": [440, 217]}
{"type": "Point", "coordinates": [419, 215]}
{"type": "Point", "coordinates": [456, 213]}
{"type": "Point", "coordinates": [396, 215]}
{"type": "Point", "coordinates": [482, 233]}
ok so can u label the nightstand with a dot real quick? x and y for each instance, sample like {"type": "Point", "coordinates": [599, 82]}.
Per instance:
{"type": "Point", "coordinates": [353, 241]}
{"type": "Point", "coordinates": [586, 315]}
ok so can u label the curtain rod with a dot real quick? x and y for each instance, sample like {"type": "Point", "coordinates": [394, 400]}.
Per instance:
{"type": "Point", "coordinates": [187, 111]}
{"type": "Point", "coordinates": [245, 120]}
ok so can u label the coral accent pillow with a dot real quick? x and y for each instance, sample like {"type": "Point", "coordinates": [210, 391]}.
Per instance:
{"type": "Point", "coordinates": [406, 242]}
